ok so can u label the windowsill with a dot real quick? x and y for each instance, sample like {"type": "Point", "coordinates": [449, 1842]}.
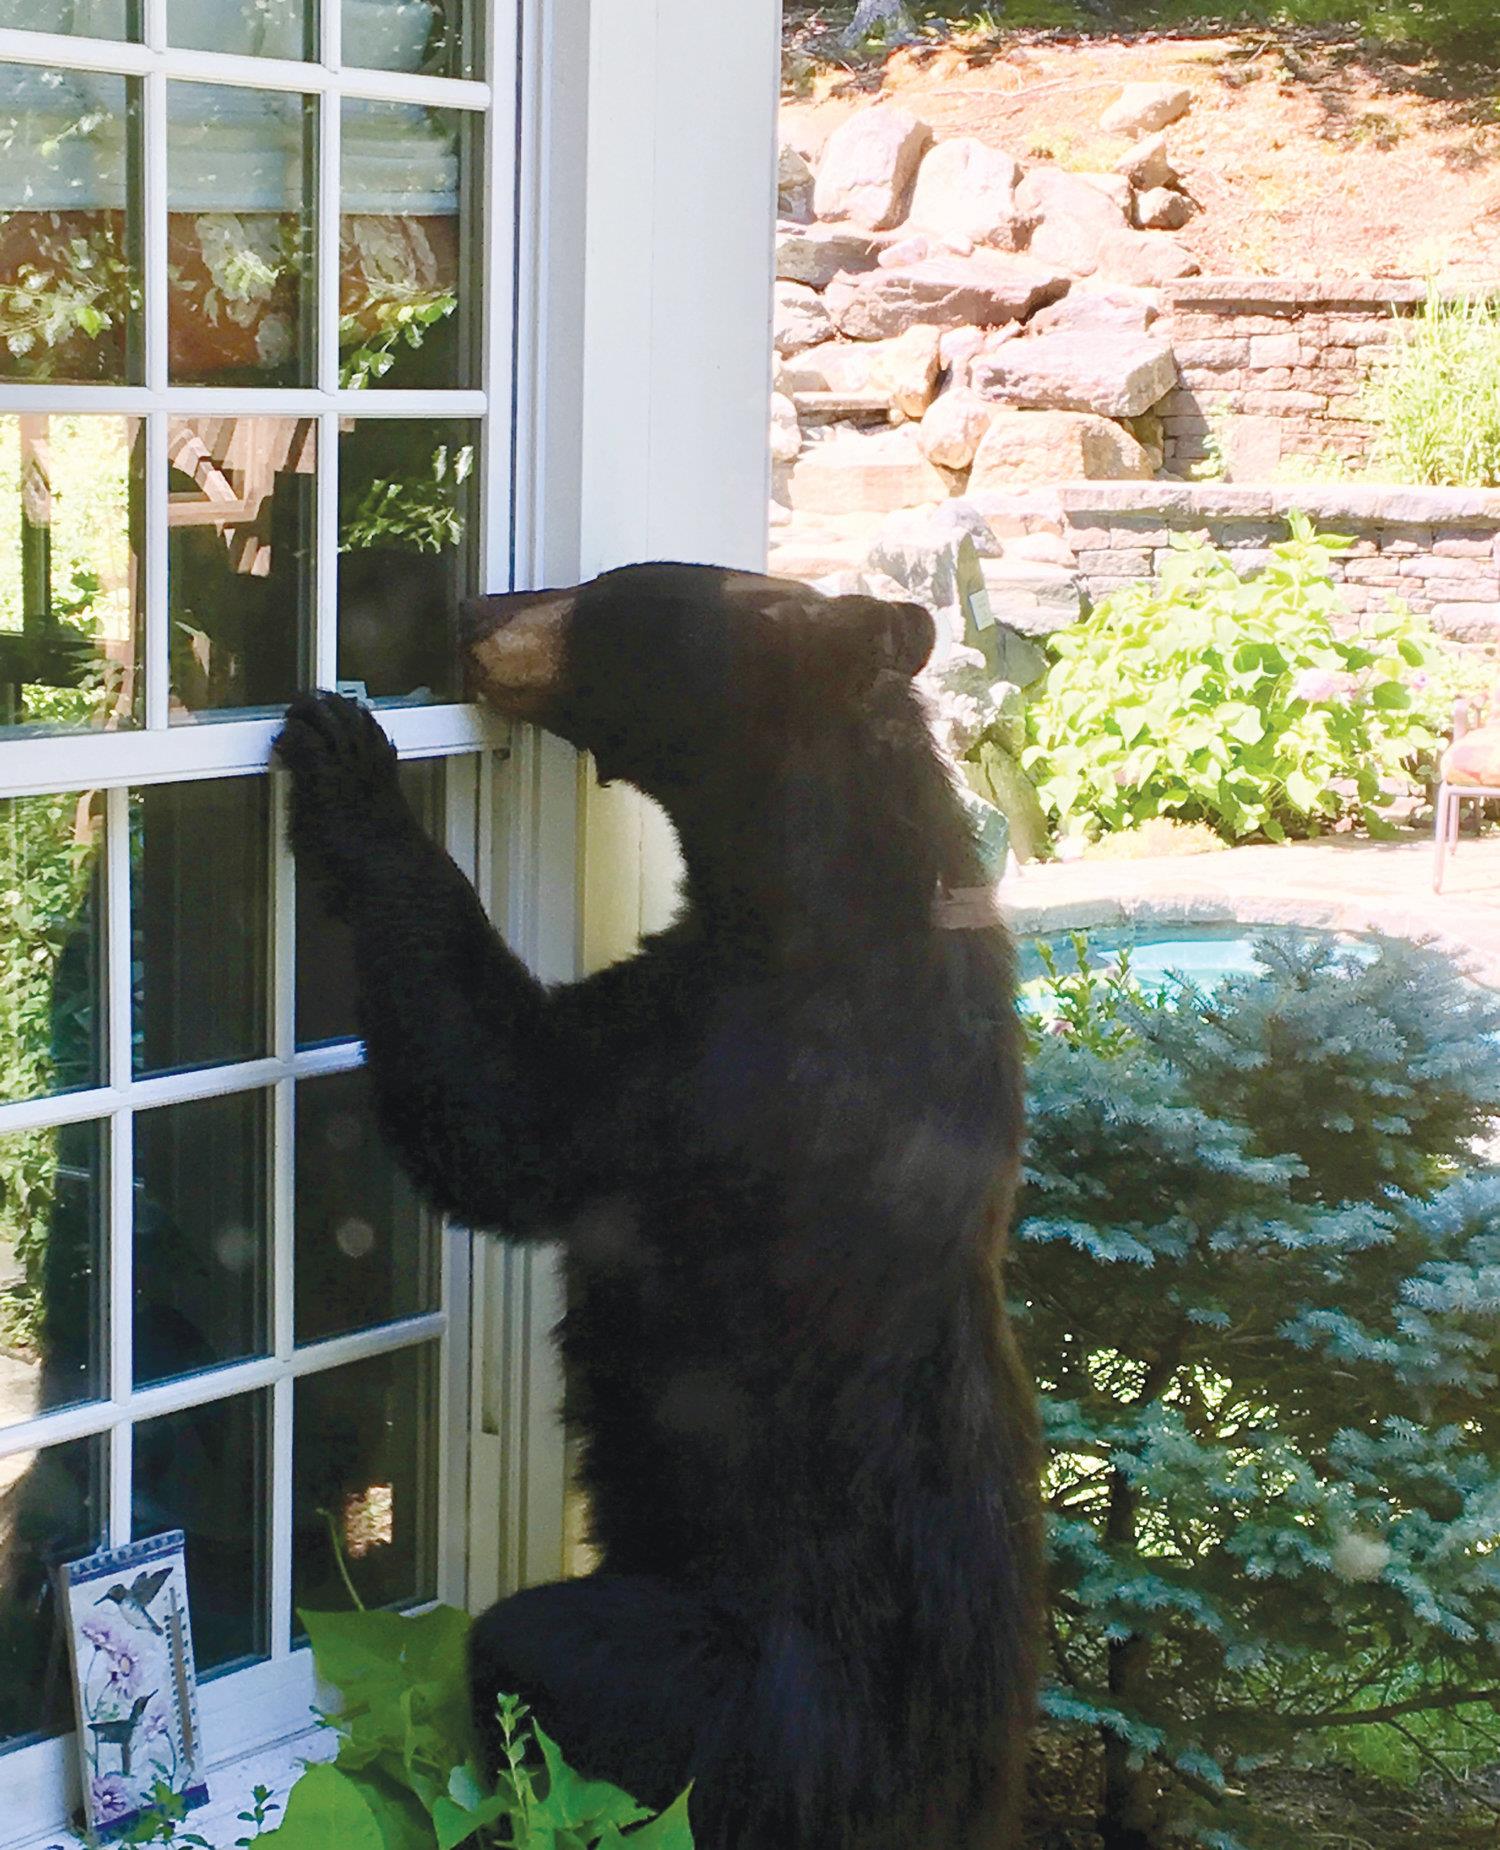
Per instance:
{"type": "Point", "coordinates": [230, 1784]}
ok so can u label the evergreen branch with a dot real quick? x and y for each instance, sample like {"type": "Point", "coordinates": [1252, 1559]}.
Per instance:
{"type": "Point", "coordinates": [1384, 1712]}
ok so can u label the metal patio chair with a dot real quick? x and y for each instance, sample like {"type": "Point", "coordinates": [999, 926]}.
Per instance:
{"type": "Point", "coordinates": [1470, 770]}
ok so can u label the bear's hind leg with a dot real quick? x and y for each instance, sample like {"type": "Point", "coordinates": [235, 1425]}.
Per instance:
{"type": "Point", "coordinates": [633, 1678]}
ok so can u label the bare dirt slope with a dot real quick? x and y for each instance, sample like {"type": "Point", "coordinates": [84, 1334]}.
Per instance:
{"type": "Point", "coordinates": [1308, 156]}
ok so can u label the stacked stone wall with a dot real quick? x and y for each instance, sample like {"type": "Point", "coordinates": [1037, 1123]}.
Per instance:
{"type": "Point", "coordinates": [1272, 369]}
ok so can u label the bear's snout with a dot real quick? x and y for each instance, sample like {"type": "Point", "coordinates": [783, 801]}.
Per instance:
{"type": "Point", "coordinates": [513, 644]}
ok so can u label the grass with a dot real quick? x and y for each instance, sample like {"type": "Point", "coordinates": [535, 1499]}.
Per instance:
{"type": "Point", "coordinates": [1464, 27]}
{"type": "Point", "coordinates": [1436, 400]}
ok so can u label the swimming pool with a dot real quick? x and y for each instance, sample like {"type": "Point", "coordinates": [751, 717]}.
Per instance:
{"type": "Point", "coordinates": [1206, 955]}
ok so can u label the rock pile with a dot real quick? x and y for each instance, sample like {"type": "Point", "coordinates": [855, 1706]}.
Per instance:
{"type": "Point", "coordinates": [952, 326]}
{"type": "Point", "coordinates": [950, 320]}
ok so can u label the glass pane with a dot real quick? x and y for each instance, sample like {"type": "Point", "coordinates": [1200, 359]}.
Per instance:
{"type": "Point", "coordinates": [239, 235]}
{"type": "Point", "coordinates": [365, 1246]}
{"type": "Point", "coordinates": [325, 968]}
{"type": "Point", "coordinates": [240, 517]}
{"type": "Point", "coordinates": [95, 19]}
{"type": "Point", "coordinates": [204, 1471]}
{"type": "Point", "coordinates": [70, 280]}
{"type": "Point", "coordinates": [411, 35]}
{"type": "Point", "coordinates": [72, 497]}
{"type": "Point", "coordinates": [408, 517]}
{"type": "Point", "coordinates": [364, 1462]}
{"type": "Point", "coordinates": [51, 1510]}
{"type": "Point", "coordinates": [54, 1239]}
{"type": "Point", "coordinates": [253, 28]}
{"type": "Point", "coordinates": [51, 944]}
{"type": "Point", "coordinates": [199, 855]}
{"type": "Point", "coordinates": [408, 298]}
{"type": "Point", "coordinates": [202, 1235]}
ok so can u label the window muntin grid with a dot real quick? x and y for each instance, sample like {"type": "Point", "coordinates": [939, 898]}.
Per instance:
{"type": "Point", "coordinates": [97, 1434]}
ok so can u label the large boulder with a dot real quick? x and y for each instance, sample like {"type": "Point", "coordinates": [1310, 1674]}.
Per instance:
{"type": "Point", "coordinates": [1117, 375]}
{"type": "Point", "coordinates": [1028, 448]}
{"type": "Point", "coordinates": [786, 432]}
{"type": "Point", "coordinates": [1117, 309]}
{"type": "Point", "coordinates": [1147, 163]}
{"type": "Point", "coordinates": [918, 548]}
{"type": "Point", "coordinates": [1160, 208]}
{"type": "Point", "coordinates": [868, 166]}
{"type": "Point", "coordinates": [799, 318]}
{"type": "Point", "coordinates": [1142, 108]}
{"type": "Point", "coordinates": [794, 186]}
{"type": "Point", "coordinates": [1033, 598]}
{"type": "Point", "coordinates": [1073, 217]}
{"type": "Point", "coordinates": [983, 290]}
{"type": "Point", "coordinates": [815, 254]}
{"type": "Point", "coordinates": [952, 427]}
{"type": "Point", "coordinates": [1147, 259]}
{"type": "Point", "coordinates": [872, 472]}
{"type": "Point", "coordinates": [902, 371]}
{"type": "Point", "coordinates": [967, 191]}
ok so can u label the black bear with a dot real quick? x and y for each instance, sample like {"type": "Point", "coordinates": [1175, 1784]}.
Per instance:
{"type": "Point", "coordinates": [778, 1148]}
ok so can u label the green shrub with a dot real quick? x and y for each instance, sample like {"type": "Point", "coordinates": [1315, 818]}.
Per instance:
{"type": "Point", "coordinates": [1211, 698]}
{"type": "Point", "coordinates": [1257, 1273]}
{"type": "Point", "coordinates": [1436, 399]}
{"type": "Point", "coordinates": [406, 1773]}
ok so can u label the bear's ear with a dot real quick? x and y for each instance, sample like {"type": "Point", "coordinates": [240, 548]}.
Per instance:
{"type": "Point", "coordinates": [876, 634]}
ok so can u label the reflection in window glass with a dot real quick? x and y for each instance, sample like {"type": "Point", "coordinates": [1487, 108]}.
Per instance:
{"type": "Point", "coordinates": [51, 944]}
{"type": "Point", "coordinates": [70, 285]}
{"type": "Point", "coordinates": [53, 1270]}
{"type": "Point", "coordinates": [51, 1510]}
{"type": "Point", "coordinates": [435, 36]}
{"type": "Point", "coordinates": [71, 501]}
{"type": "Point", "coordinates": [202, 1235]}
{"type": "Point", "coordinates": [199, 855]}
{"type": "Point", "coordinates": [325, 963]}
{"type": "Point", "coordinates": [364, 1461]}
{"type": "Point", "coordinates": [364, 1243]}
{"type": "Point", "coordinates": [250, 28]}
{"type": "Point", "coordinates": [401, 319]}
{"type": "Point", "coordinates": [408, 521]}
{"type": "Point", "coordinates": [239, 235]}
{"type": "Point", "coordinates": [240, 514]}
{"type": "Point", "coordinates": [204, 1471]}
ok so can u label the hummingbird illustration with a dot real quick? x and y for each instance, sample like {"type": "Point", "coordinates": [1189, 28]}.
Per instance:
{"type": "Point", "coordinates": [134, 1602]}
{"type": "Point", "coordinates": [120, 1732]}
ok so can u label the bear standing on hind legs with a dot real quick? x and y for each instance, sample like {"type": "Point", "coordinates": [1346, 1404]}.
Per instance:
{"type": "Point", "coordinates": [778, 1148]}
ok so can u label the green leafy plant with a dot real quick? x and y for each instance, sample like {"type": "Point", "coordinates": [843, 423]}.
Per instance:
{"type": "Point", "coordinates": [1237, 702]}
{"type": "Point", "coordinates": [1257, 1272]}
{"type": "Point", "coordinates": [413, 513]}
{"type": "Point", "coordinates": [370, 341]}
{"type": "Point", "coordinates": [1435, 401]}
{"type": "Point", "coordinates": [406, 1773]}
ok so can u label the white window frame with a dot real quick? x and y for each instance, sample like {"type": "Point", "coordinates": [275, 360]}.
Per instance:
{"type": "Point", "coordinates": [502, 826]}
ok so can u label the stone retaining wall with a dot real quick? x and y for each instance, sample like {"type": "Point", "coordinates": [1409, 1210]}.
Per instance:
{"type": "Point", "coordinates": [1272, 368]}
{"type": "Point", "coordinates": [1437, 549]}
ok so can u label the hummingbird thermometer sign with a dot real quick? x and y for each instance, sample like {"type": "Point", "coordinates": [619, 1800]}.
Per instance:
{"type": "Point", "coordinates": [133, 1679]}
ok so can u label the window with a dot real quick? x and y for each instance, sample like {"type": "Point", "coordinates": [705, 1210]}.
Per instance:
{"type": "Point", "coordinates": [255, 434]}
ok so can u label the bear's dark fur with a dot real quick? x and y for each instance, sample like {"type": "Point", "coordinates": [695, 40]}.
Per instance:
{"type": "Point", "coordinates": [778, 1147]}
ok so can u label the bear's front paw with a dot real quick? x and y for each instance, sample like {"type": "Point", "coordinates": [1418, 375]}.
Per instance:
{"type": "Point", "coordinates": [345, 796]}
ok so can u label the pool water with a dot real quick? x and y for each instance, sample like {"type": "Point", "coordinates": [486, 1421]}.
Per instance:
{"type": "Point", "coordinates": [1206, 955]}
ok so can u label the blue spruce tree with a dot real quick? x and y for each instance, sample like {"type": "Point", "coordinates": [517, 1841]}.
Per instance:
{"type": "Point", "coordinates": [1257, 1271]}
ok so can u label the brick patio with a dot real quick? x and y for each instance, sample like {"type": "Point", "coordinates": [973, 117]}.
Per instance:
{"type": "Point", "coordinates": [1343, 884]}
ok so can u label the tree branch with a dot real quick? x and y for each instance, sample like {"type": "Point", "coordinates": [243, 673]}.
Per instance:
{"type": "Point", "coordinates": [1385, 1712]}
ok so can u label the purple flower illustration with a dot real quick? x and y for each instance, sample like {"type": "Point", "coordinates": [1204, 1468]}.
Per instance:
{"type": "Point", "coordinates": [98, 1634]}
{"type": "Point", "coordinates": [109, 1797]}
{"type": "Point", "coordinates": [124, 1669]}
{"type": "Point", "coordinates": [154, 1722]}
